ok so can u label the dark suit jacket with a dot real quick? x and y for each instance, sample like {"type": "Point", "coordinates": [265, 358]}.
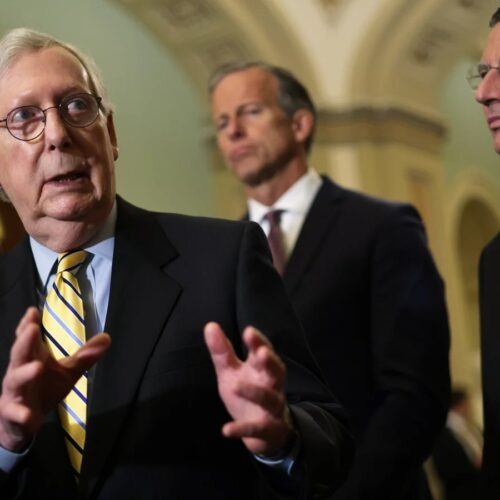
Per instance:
{"type": "Point", "coordinates": [460, 477]}
{"type": "Point", "coordinates": [489, 295]}
{"type": "Point", "coordinates": [155, 417]}
{"type": "Point", "coordinates": [368, 294]}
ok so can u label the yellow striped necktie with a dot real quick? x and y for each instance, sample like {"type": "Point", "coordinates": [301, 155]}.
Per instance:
{"type": "Point", "coordinates": [64, 332]}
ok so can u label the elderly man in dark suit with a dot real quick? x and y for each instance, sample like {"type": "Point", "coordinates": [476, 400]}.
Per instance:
{"type": "Point", "coordinates": [485, 80]}
{"type": "Point", "coordinates": [359, 274]}
{"type": "Point", "coordinates": [165, 404]}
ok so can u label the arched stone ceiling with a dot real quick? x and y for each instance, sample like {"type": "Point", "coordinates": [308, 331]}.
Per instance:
{"type": "Point", "coordinates": [375, 66]}
{"type": "Point", "coordinates": [392, 53]}
{"type": "Point", "coordinates": [407, 54]}
{"type": "Point", "coordinates": [204, 34]}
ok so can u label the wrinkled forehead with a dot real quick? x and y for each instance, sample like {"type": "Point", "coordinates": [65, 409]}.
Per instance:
{"type": "Point", "coordinates": [35, 72]}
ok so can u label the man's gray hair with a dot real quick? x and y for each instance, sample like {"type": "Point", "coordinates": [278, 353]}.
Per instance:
{"type": "Point", "coordinates": [21, 40]}
{"type": "Point", "coordinates": [292, 94]}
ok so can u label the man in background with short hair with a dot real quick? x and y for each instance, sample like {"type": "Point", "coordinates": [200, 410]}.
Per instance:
{"type": "Point", "coordinates": [358, 272]}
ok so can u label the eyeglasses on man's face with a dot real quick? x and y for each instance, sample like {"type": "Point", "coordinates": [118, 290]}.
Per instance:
{"type": "Point", "coordinates": [478, 72]}
{"type": "Point", "coordinates": [28, 122]}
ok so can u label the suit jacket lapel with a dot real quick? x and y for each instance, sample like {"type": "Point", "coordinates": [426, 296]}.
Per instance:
{"type": "Point", "coordinates": [318, 222]}
{"type": "Point", "coordinates": [18, 290]}
{"type": "Point", "coordinates": [141, 298]}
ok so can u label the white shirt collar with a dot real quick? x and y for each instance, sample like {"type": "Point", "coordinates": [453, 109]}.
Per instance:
{"type": "Point", "coordinates": [296, 200]}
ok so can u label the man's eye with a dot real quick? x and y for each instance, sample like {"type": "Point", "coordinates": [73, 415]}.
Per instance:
{"type": "Point", "coordinates": [221, 125]}
{"type": "Point", "coordinates": [22, 115]}
{"type": "Point", "coordinates": [76, 106]}
{"type": "Point", "coordinates": [482, 70]}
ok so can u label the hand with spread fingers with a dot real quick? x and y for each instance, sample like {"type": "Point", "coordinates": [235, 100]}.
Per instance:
{"type": "Point", "coordinates": [252, 391]}
{"type": "Point", "coordinates": [35, 382]}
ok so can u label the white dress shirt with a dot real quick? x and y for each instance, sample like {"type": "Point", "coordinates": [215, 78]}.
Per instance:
{"type": "Point", "coordinates": [294, 203]}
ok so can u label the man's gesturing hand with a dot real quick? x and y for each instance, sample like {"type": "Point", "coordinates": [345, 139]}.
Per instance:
{"type": "Point", "coordinates": [35, 382]}
{"type": "Point", "coordinates": [252, 390]}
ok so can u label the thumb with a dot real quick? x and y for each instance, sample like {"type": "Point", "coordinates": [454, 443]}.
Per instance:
{"type": "Point", "coordinates": [88, 354]}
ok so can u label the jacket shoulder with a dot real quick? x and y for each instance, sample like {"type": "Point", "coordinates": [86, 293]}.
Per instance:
{"type": "Point", "coordinates": [492, 249]}
{"type": "Point", "coordinates": [364, 210]}
{"type": "Point", "coordinates": [370, 203]}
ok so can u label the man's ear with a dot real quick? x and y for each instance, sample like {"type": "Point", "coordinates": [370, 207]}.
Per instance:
{"type": "Point", "coordinates": [302, 124]}
{"type": "Point", "coordinates": [112, 135]}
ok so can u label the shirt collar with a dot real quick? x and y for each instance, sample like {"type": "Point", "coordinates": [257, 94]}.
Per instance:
{"type": "Point", "coordinates": [102, 245]}
{"type": "Point", "coordinates": [297, 199]}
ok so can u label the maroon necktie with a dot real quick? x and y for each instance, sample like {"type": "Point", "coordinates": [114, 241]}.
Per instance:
{"type": "Point", "coordinates": [275, 239]}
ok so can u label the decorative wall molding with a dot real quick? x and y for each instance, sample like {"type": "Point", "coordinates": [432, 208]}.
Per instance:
{"type": "Point", "coordinates": [408, 54]}
{"type": "Point", "coordinates": [444, 32]}
{"type": "Point", "coordinates": [379, 125]}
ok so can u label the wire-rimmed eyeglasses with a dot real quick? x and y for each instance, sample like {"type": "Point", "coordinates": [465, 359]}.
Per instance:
{"type": "Point", "coordinates": [28, 122]}
{"type": "Point", "coordinates": [477, 73]}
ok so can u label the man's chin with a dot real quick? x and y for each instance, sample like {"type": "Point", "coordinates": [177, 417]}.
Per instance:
{"type": "Point", "coordinates": [259, 176]}
{"type": "Point", "coordinates": [495, 136]}
{"type": "Point", "coordinates": [71, 208]}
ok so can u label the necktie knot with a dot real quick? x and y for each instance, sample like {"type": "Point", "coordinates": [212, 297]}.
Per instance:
{"type": "Point", "coordinates": [71, 261]}
{"type": "Point", "coordinates": [274, 217]}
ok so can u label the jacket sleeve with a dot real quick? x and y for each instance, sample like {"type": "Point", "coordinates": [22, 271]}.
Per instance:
{"type": "Point", "coordinates": [326, 446]}
{"type": "Point", "coordinates": [410, 345]}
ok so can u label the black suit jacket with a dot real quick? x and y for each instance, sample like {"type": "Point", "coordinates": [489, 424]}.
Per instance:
{"type": "Point", "coordinates": [365, 287]}
{"type": "Point", "coordinates": [459, 476]}
{"type": "Point", "coordinates": [155, 417]}
{"type": "Point", "coordinates": [489, 290]}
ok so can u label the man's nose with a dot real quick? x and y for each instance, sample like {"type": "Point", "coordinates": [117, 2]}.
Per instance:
{"type": "Point", "coordinates": [56, 130]}
{"type": "Point", "coordinates": [489, 87]}
{"type": "Point", "coordinates": [234, 128]}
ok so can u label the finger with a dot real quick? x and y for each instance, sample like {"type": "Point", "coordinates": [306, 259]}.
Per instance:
{"type": "Point", "coordinates": [32, 315]}
{"type": "Point", "coordinates": [18, 424]}
{"type": "Point", "coordinates": [27, 341]}
{"type": "Point", "coordinates": [219, 347]}
{"type": "Point", "coordinates": [88, 354]}
{"type": "Point", "coordinates": [264, 359]}
{"type": "Point", "coordinates": [267, 437]}
{"type": "Point", "coordinates": [269, 401]}
{"type": "Point", "coordinates": [268, 361]}
{"type": "Point", "coordinates": [257, 429]}
{"type": "Point", "coordinates": [16, 413]}
{"type": "Point", "coordinates": [17, 379]}
{"type": "Point", "coordinates": [254, 339]}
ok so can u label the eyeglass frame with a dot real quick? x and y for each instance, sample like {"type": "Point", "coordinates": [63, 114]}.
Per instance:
{"type": "Point", "coordinates": [478, 75]}
{"type": "Point", "coordinates": [97, 99]}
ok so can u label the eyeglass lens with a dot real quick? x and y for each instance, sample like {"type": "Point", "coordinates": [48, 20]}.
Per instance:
{"type": "Point", "coordinates": [28, 122]}
{"type": "Point", "coordinates": [478, 72]}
